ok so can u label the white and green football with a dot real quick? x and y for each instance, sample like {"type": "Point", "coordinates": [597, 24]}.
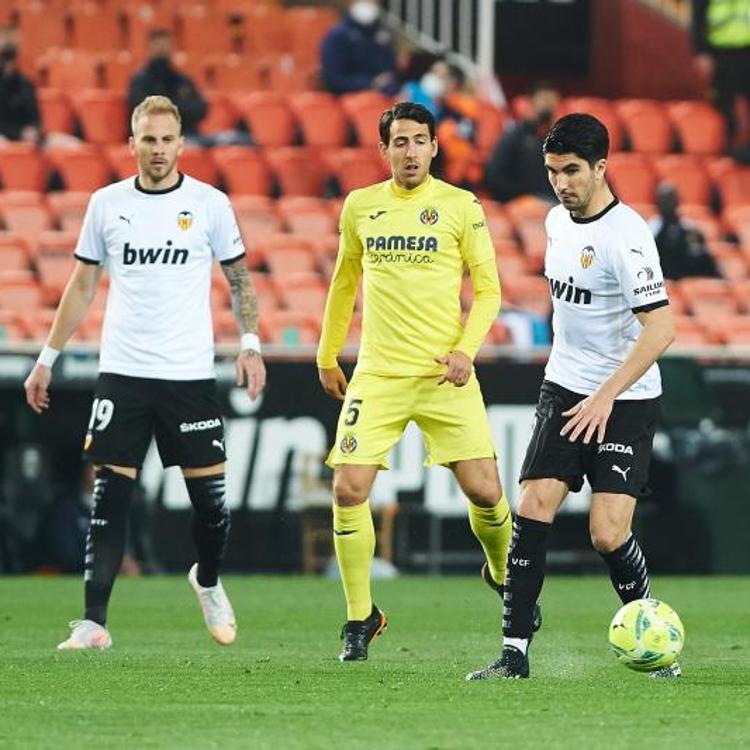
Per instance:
{"type": "Point", "coordinates": [646, 635]}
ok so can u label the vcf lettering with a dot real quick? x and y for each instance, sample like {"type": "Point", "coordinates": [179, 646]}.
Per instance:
{"type": "Point", "coordinates": [175, 256]}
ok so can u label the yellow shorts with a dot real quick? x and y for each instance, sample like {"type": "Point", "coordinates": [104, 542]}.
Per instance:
{"type": "Point", "coordinates": [377, 409]}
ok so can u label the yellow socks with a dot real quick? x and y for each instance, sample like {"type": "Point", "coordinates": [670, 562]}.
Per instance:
{"type": "Point", "coordinates": [354, 540]}
{"type": "Point", "coordinates": [493, 528]}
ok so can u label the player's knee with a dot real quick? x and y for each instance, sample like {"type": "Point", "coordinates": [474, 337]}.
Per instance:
{"type": "Point", "coordinates": [607, 538]}
{"type": "Point", "coordinates": [485, 494]}
{"type": "Point", "coordinates": [534, 505]}
{"type": "Point", "coordinates": [348, 491]}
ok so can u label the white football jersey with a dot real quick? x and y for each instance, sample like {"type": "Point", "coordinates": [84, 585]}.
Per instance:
{"type": "Point", "coordinates": [601, 271]}
{"type": "Point", "coordinates": [158, 247]}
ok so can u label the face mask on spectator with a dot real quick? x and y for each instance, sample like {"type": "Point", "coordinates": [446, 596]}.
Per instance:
{"type": "Point", "coordinates": [432, 85]}
{"type": "Point", "coordinates": [364, 13]}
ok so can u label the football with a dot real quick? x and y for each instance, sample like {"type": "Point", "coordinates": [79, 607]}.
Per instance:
{"type": "Point", "coordinates": [646, 635]}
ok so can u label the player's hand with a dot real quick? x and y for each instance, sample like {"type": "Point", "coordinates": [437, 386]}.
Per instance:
{"type": "Point", "coordinates": [36, 385]}
{"type": "Point", "coordinates": [459, 368]}
{"type": "Point", "coordinates": [333, 381]}
{"type": "Point", "coordinates": [251, 372]}
{"type": "Point", "coordinates": [588, 417]}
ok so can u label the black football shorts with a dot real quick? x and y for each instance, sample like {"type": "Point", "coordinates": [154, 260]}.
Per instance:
{"type": "Point", "coordinates": [619, 464]}
{"type": "Point", "coordinates": [183, 416]}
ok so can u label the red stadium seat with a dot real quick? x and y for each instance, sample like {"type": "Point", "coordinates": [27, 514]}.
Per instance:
{"type": "Point", "coordinates": [83, 168]}
{"type": "Point", "coordinates": [40, 28]}
{"type": "Point", "coordinates": [268, 117]}
{"type": "Point", "coordinates": [734, 187]}
{"type": "Point", "coordinates": [71, 70]}
{"type": "Point", "coordinates": [676, 298]}
{"type": "Point", "coordinates": [306, 216]}
{"type": "Point", "coordinates": [117, 69]}
{"type": "Point", "coordinates": [647, 124]}
{"type": "Point", "coordinates": [534, 240]}
{"type": "Point", "coordinates": [198, 163]}
{"type": "Point", "coordinates": [265, 31]}
{"type": "Point", "coordinates": [498, 221]}
{"type": "Point", "coordinates": [529, 293]}
{"type": "Point", "coordinates": [293, 258]}
{"type": "Point", "coordinates": [233, 73]}
{"type": "Point", "coordinates": [689, 332]}
{"type": "Point", "coordinates": [700, 127]}
{"type": "Point", "coordinates": [738, 331]}
{"type": "Point", "coordinates": [68, 209]}
{"type": "Point", "coordinates": [740, 291]}
{"type": "Point", "coordinates": [632, 177]}
{"type": "Point", "coordinates": [55, 110]}
{"type": "Point", "coordinates": [603, 110]}
{"type": "Point", "coordinates": [731, 263]}
{"type": "Point", "coordinates": [307, 26]}
{"type": "Point", "coordinates": [121, 160]}
{"type": "Point", "coordinates": [356, 167]}
{"type": "Point", "coordinates": [304, 294]}
{"type": "Point", "coordinates": [22, 167]}
{"type": "Point", "coordinates": [96, 29]}
{"type": "Point", "coordinates": [285, 73]}
{"type": "Point", "coordinates": [103, 115]}
{"type": "Point", "coordinates": [244, 170]}
{"type": "Point", "coordinates": [56, 242]}
{"type": "Point", "coordinates": [298, 171]}
{"type": "Point", "coordinates": [24, 211]}
{"type": "Point", "coordinates": [490, 125]}
{"type": "Point", "coordinates": [143, 17]}
{"type": "Point", "coordinates": [201, 31]}
{"type": "Point", "coordinates": [54, 272]}
{"type": "Point", "coordinates": [324, 123]}
{"type": "Point", "coordinates": [15, 252]}
{"type": "Point", "coordinates": [527, 207]}
{"type": "Point", "coordinates": [688, 176]}
{"type": "Point", "coordinates": [704, 220]}
{"type": "Point", "coordinates": [707, 297]}
{"type": "Point", "coordinates": [365, 109]}
{"type": "Point", "coordinates": [256, 213]}
{"type": "Point", "coordinates": [20, 296]}
{"type": "Point", "coordinates": [221, 115]}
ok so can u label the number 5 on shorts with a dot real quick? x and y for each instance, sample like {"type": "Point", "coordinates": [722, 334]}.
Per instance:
{"type": "Point", "coordinates": [352, 412]}
{"type": "Point", "coordinates": [102, 411]}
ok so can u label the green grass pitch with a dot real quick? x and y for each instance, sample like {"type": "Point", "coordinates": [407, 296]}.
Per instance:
{"type": "Point", "coordinates": [165, 684]}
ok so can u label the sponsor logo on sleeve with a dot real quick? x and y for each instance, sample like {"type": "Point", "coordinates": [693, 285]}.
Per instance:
{"type": "Point", "coordinates": [646, 273]}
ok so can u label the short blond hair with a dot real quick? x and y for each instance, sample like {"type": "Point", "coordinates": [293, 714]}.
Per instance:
{"type": "Point", "coordinates": [155, 105]}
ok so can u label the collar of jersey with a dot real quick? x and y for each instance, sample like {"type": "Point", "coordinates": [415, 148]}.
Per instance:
{"type": "Point", "coordinates": [601, 213]}
{"type": "Point", "coordinates": [142, 189]}
{"type": "Point", "coordinates": [414, 192]}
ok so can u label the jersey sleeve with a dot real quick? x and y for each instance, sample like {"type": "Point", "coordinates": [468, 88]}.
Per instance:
{"type": "Point", "coordinates": [91, 247]}
{"type": "Point", "coordinates": [343, 290]}
{"type": "Point", "coordinates": [475, 243]}
{"type": "Point", "coordinates": [635, 262]}
{"type": "Point", "coordinates": [224, 234]}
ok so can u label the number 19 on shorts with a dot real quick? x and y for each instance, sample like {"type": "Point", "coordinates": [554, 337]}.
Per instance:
{"type": "Point", "coordinates": [102, 411]}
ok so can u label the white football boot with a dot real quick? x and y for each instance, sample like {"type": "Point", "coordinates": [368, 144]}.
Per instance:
{"type": "Point", "coordinates": [217, 609]}
{"type": "Point", "coordinates": [86, 634]}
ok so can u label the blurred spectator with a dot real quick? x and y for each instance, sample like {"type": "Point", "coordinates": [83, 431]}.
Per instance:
{"type": "Point", "coordinates": [159, 76]}
{"type": "Point", "coordinates": [516, 166]}
{"type": "Point", "coordinates": [721, 39]}
{"type": "Point", "coordinates": [358, 54]}
{"type": "Point", "coordinates": [682, 249]}
{"type": "Point", "coordinates": [19, 113]}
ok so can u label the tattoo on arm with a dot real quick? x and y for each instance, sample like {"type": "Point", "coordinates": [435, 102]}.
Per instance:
{"type": "Point", "coordinates": [244, 300]}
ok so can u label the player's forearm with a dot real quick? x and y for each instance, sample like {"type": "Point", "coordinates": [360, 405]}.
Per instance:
{"type": "Point", "coordinates": [244, 299]}
{"type": "Point", "coordinates": [653, 341]}
{"type": "Point", "coordinates": [338, 312]}
{"type": "Point", "coordinates": [71, 311]}
{"type": "Point", "coordinates": [483, 310]}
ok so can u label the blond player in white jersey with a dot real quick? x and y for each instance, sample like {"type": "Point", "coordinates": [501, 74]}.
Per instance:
{"type": "Point", "coordinates": [599, 402]}
{"type": "Point", "coordinates": [157, 234]}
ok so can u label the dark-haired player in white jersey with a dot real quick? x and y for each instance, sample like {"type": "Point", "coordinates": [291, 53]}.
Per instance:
{"type": "Point", "coordinates": [157, 234]}
{"type": "Point", "coordinates": [599, 401]}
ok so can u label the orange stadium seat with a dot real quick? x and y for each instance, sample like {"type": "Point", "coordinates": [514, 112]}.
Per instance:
{"type": "Point", "coordinates": [534, 240]}
{"type": "Point", "coordinates": [143, 17]}
{"type": "Point", "coordinates": [12, 328]}
{"type": "Point", "coordinates": [265, 291]}
{"type": "Point", "coordinates": [268, 117]}
{"type": "Point", "coordinates": [236, 73]}
{"type": "Point", "coordinates": [740, 291]}
{"type": "Point", "coordinates": [306, 216]}
{"type": "Point", "coordinates": [298, 170]}
{"type": "Point", "coordinates": [55, 110]}
{"type": "Point", "coordinates": [305, 294]}
{"type": "Point", "coordinates": [54, 272]}
{"type": "Point", "coordinates": [96, 28]}
{"type": "Point", "coordinates": [700, 127]}
{"type": "Point", "coordinates": [287, 255]}
{"type": "Point", "coordinates": [121, 160]}
{"type": "Point", "coordinates": [706, 297]}
{"type": "Point", "coordinates": [647, 124]}
{"type": "Point", "coordinates": [490, 125]}
{"type": "Point", "coordinates": [603, 110]}
{"type": "Point", "coordinates": [244, 170]}
{"type": "Point", "coordinates": [264, 31]}
{"type": "Point", "coordinates": [20, 296]}
{"type": "Point", "coordinates": [14, 252]}
{"type": "Point", "coordinates": [70, 70]}
{"type": "Point", "coordinates": [68, 208]}
{"type": "Point", "coordinates": [197, 163]}
{"type": "Point", "coordinates": [83, 168]}
{"type": "Point", "coordinates": [676, 300]}
{"type": "Point", "coordinates": [290, 327]}
{"type": "Point", "coordinates": [364, 109]}
{"type": "Point", "coordinates": [306, 27]}
{"type": "Point", "coordinates": [356, 167]}
{"type": "Point", "coordinates": [24, 211]}
{"type": "Point", "coordinates": [738, 332]}
{"type": "Point", "coordinates": [687, 174]}
{"type": "Point", "coordinates": [22, 167]}
{"type": "Point", "coordinates": [325, 247]}
{"type": "Point", "coordinates": [734, 187]}
{"type": "Point", "coordinates": [323, 122]}
{"type": "Point", "coordinates": [689, 332]}
{"type": "Point", "coordinates": [735, 218]}
{"type": "Point", "coordinates": [256, 213]}
{"type": "Point", "coordinates": [498, 222]}
{"type": "Point", "coordinates": [633, 180]}
{"type": "Point", "coordinates": [529, 293]}
{"type": "Point", "coordinates": [40, 28]}
{"type": "Point", "coordinates": [103, 115]}
{"type": "Point", "coordinates": [221, 114]}
{"type": "Point", "coordinates": [731, 262]}
{"type": "Point", "coordinates": [201, 31]}
{"type": "Point", "coordinates": [527, 207]}
{"type": "Point", "coordinates": [285, 73]}
{"type": "Point", "coordinates": [49, 243]}
{"type": "Point", "coordinates": [703, 219]}
{"type": "Point", "coordinates": [117, 69]}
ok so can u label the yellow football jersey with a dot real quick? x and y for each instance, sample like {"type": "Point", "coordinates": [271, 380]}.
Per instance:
{"type": "Point", "coordinates": [411, 247]}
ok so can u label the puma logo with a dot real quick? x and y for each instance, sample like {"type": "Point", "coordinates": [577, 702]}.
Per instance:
{"type": "Point", "coordinates": [624, 472]}
{"type": "Point", "coordinates": [124, 218]}
{"type": "Point", "coordinates": [219, 444]}
{"type": "Point", "coordinates": [637, 252]}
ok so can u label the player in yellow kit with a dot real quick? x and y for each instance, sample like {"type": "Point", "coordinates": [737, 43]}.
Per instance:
{"type": "Point", "coordinates": [410, 238]}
